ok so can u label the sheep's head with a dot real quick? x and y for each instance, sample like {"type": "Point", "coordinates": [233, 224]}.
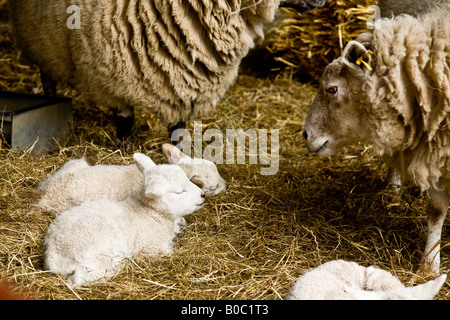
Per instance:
{"type": "Point", "coordinates": [201, 172]}
{"type": "Point", "coordinates": [168, 189]}
{"type": "Point", "coordinates": [337, 115]}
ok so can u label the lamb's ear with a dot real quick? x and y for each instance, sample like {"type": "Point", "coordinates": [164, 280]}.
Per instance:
{"type": "Point", "coordinates": [143, 162]}
{"type": "Point", "coordinates": [355, 55]}
{"type": "Point", "coordinates": [428, 290]}
{"type": "Point", "coordinates": [155, 187]}
{"type": "Point", "coordinates": [172, 153]}
{"type": "Point", "coordinates": [197, 181]}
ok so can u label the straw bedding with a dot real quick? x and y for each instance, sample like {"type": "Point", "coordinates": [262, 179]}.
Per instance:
{"type": "Point", "coordinates": [251, 242]}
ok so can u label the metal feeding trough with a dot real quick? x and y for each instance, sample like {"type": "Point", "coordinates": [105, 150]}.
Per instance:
{"type": "Point", "coordinates": [33, 121]}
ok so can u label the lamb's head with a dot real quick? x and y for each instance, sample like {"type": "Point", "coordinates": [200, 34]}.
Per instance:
{"type": "Point", "coordinates": [337, 115]}
{"type": "Point", "coordinates": [201, 172]}
{"type": "Point", "coordinates": [168, 189]}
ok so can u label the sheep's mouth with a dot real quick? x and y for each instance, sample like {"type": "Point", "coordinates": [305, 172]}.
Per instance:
{"type": "Point", "coordinates": [323, 147]}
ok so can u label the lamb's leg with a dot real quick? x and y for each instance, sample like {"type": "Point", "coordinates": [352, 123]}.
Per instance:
{"type": "Point", "coordinates": [437, 210]}
{"type": "Point", "coordinates": [124, 124]}
{"type": "Point", "coordinates": [48, 84]}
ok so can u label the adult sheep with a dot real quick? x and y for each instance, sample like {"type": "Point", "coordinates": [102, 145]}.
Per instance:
{"type": "Point", "coordinates": [399, 98]}
{"type": "Point", "coordinates": [175, 57]}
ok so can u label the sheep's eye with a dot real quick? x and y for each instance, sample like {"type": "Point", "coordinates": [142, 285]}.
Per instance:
{"type": "Point", "coordinates": [332, 89]}
{"type": "Point", "coordinates": [181, 192]}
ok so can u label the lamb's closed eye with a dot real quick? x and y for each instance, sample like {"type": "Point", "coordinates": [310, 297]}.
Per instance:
{"type": "Point", "coordinates": [214, 188]}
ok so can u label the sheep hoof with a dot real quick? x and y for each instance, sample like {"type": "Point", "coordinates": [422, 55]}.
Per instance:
{"type": "Point", "coordinates": [48, 85]}
{"type": "Point", "coordinates": [124, 126]}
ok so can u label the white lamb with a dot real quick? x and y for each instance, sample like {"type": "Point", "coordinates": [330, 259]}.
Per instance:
{"type": "Point", "coordinates": [77, 181]}
{"type": "Point", "coordinates": [89, 242]}
{"type": "Point", "coordinates": [343, 280]}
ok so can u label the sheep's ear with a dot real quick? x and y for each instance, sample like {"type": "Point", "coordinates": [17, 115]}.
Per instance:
{"type": "Point", "coordinates": [143, 162]}
{"type": "Point", "coordinates": [172, 153]}
{"type": "Point", "coordinates": [355, 55]}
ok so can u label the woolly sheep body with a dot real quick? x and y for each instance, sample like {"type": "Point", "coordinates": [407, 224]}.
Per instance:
{"type": "Point", "coordinates": [402, 107]}
{"type": "Point", "coordinates": [391, 9]}
{"type": "Point", "coordinates": [77, 182]}
{"type": "Point", "coordinates": [176, 58]}
{"type": "Point", "coordinates": [344, 280]}
{"type": "Point", "coordinates": [90, 241]}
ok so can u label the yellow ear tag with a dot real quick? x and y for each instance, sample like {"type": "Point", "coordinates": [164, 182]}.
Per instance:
{"type": "Point", "coordinates": [360, 60]}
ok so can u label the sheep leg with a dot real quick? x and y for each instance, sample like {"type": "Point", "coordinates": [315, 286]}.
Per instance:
{"type": "Point", "coordinates": [48, 84]}
{"type": "Point", "coordinates": [394, 180]}
{"type": "Point", "coordinates": [437, 210]}
{"type": "Point", "coordinates": [124, 124]}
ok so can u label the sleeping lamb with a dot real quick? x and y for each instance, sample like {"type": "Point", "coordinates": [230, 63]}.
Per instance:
{"type": "Point", "coordinates": [90, 241]}
{"type": "Point", "coordinates": [398, 97]}
{"type": "Point", "coordinates": [77, 181]}
{"type": "Point", "coordinates": [343, 280]}
{"type": "Point", "coordinates": [176, 58]}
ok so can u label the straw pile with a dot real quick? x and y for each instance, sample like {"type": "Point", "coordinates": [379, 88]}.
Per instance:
{"type": "Point", "coordinates": [251, 242]}
{"type": "Point", "coordinates": [305, 43]}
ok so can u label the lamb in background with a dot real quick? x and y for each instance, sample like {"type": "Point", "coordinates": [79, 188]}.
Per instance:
{"type": "Point", "coordinates": [176, 58]}
{"type": "Point", "coordinates": [90, 241]}
{"type": "Point", "coordinates": [202, 172]}
{"type": "Point", "coordinates": [343, 280]}
{"type": "Point", "coordinates": [399, 99]}
{"type": "Point", "coordinates": [77, 182]}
